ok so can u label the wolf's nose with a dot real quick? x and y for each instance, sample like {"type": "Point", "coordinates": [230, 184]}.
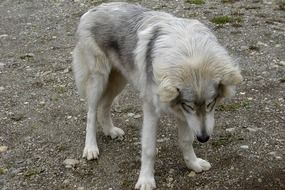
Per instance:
{"type": "Point", "coordinates": [203, 138]}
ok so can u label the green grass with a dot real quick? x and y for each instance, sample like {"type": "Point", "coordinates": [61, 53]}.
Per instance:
{"type": "Point", "coordinates": [196, 2]}
{"type": "Point", "coordinates": [226, 139]}
{"type": "Point", "coordinates": [236, 21]}
{"type": "Point", "coordinates": [233, 106]}
{"type": "Point", "coordinates": [221, 19]}
{"type": "Point", "coordinates": [3, 171]}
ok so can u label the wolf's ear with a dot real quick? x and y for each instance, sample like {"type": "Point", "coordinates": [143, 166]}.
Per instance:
{"type": "Point", "coordinates": [228, 83]}
{"type": "Point", "coordinates": [167, 91]}
{"type": "Point", "coordinates": [232, 78]}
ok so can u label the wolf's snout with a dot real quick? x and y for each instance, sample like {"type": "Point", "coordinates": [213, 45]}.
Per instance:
{"type": "Point", "coordinates": [203, 138]}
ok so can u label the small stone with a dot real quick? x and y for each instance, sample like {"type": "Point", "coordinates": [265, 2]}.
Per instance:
{"type": "Point", "coordinates": [259, 180]}
{"type": "Point", "coordinates": [192, 174]}
{"type": "Point", "coordinates": [249, 98]}
{"type": "Point", "coordinates": [66, 181]}
{"type": "Point", "coordinates": [2, 65]}
{"type": "Point", "coordinates": [3, 149]}
{"type": "Point", "coordinates": [171, 171]}
{"type": "Point", "coordinates": [244, 146]}
{"type": "Point", "coordinates": [261, 44]}
{"type": "Point", "coordinates": [131, 114]}
{"type": "Point", "coordinates": [2, 88]}
{"type": "Point", "coordinates": [278, 157]}
{"type": "Point", "coordinates": [80, 188]}
{"type": "Point", "coordinates": [272, 153]}
{"type": "Point", "coordinates": [230, 130]}
{"type": "Point", "coordinates": [69, 117]}
{"type": "Point", "coordinates": [278, 45]}
{"type": "Point", "coordinates": [42, 103]}
{"type": "Point", "coordinates": [281, 63]}
{"type": "Point", "coordinates": [53, 37]}
{"type": "Point", "coordinates": [3, 35]}
{"type": "Point", "coordinates": [137, 116]}
{"type": "Point", "coordinates": [242, 93]}
{"type": "Point", "coordinates": [26, 103]}
{"type": "Point", "coordinates": [66, 70]}
{"type": "Point", "coordinates": [70, 163]}
{"type": "Point", "coordinates": [252, 129]}
{"type": "Point", "coordinates": [242, 48]}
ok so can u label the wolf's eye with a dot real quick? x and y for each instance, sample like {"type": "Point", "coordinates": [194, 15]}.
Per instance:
{"type": "Point", "coordinates": [211, 105]}
{"type": "Point", "coordinates": [188, 108]}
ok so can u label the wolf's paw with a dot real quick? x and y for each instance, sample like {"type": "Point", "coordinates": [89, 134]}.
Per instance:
{"type": "Point", "coordinates": [90, 152]}
{"type": "Point", "coordinates": [145, 183]}
{"type": "Point", "coordinates": [114, 132]}
{"type": "Point", "coordinates": [199, 165]}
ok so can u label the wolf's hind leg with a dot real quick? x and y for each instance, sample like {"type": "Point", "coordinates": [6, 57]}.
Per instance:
{"type": "Point", "coordinates": [116, 84]}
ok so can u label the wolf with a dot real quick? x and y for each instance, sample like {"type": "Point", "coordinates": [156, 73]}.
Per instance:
{"type": "Point", "coordinates": [176, 64]}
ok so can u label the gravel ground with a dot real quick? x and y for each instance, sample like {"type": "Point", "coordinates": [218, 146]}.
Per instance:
{"type": "Point", "coordinates": [42, 119]}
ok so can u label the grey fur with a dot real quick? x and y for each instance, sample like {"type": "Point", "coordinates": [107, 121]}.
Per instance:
{"type": "Point", "coordinates": [116, 31]}
{"type": "Point", "coordinates": [149, 52]}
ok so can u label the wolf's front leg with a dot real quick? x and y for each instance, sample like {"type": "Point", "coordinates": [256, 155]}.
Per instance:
{"type": "Point", "coordinates": [146, 179]}
{"type": "Point", "coordinates": [186, 138]}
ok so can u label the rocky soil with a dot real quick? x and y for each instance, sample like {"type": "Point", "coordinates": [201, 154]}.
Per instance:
{"type": "Point", "coordinates": [42, 119]}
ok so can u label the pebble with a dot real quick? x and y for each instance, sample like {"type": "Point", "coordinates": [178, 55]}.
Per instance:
{"type": "Point", "coordinates": [131, 114]}
{"type": "Point", "coordinates": [252, 129]}
{"type": "Point", "coordinates": [70, 163]}
{"type": "Point", "coordinates": [230, 130]}
{"type": "Point", "coordinates": [2, 88]}
{"type": "Point", "coordinates": [137, 116]}
{"type": "Point", "coordinates": [281, 63]}
{"type": "Point", "coordinates": [2, 65]}
{"type": "Point", "coordinates": [42, 103]}
{"type": "Point", "coordinates": [3, 149]}
{"type": "Point", "coordinates": [80, 188]}
{"type": "Point", "coordinates": [69, 117]}
{"type": "Point", "coordinates": [66, 70]}
{"type": "Point", "coordinates": [191, 174]}
{"type": "Point", "coordinates": [3, 35]}
{"type": "Point", "coordinates": [278, 157]}
{"type": "Point", "coordinates": [259, 180]}
{"type": "Point", "coordinates": [244, 146]}
{"type": "Point", "coordinates": [26, 103]}
{"type": "Point", "coordinates": [171, 171]}
{"type": "Point", "coordinates": [261, 44]}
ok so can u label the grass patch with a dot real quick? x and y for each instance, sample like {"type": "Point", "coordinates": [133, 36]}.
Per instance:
{"type": "Point", "coordinates": [33, 171]}
{"type": "Point", "coordinates": [229, 1]}
{"type": "Point", "coordinates": [233, 106]}
{"type": "Point", "coordinates": [226, 139]}
{"type": "Point", "coordinates": [235, 21]}
{"type": "Point", "coordinates": [221, 19]}
{"type": "Point", "coordinates": [196, 2]}
{"type": "Point", "coordinates": [3, 171]}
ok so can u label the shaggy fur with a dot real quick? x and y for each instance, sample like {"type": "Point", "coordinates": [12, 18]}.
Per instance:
{"type": "Point", "coordinates": [177, 65]}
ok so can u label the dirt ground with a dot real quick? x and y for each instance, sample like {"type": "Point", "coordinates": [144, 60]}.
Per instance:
{"type": "Point", "coordinates": [42, 119]}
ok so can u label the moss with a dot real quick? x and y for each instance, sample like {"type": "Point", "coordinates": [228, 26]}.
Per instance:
{"type": "Point", "coordinates": [233, 106]}
{"type": "Point", "coordinates": [196, 2]}
{"type": "Point", "coordinates": [229, 1]}
{"type": "Point", "coordinates": [3, 171]}
{"type": "Point", "coordinates": [226, 139]}
{"type": "Point", "coordinates": [221, 19]}
{"type": "Point", "coordinates": [234, 20]}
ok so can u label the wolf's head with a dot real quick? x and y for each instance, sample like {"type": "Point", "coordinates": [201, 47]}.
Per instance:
{"type": "Point", "coordinates": [194, 88]}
